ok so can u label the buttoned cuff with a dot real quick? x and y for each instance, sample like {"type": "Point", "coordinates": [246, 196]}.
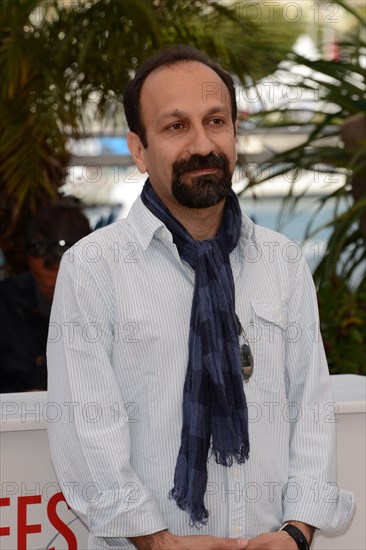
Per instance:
{"type": "Point", "coordinates": [119, 514]}
{"type": "Point", "coordinates": [322, 505]}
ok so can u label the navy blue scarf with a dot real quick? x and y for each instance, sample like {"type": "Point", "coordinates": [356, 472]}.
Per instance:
{"type": "Point", "coordinates": [214, 406]}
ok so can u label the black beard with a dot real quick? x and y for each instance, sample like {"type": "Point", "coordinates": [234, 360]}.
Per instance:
{"type": "Point", "coordinates": [206, 190]}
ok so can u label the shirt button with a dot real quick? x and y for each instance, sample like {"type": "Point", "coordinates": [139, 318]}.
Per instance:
{"type": "Point", "coordinates": [236, 529]}
{"type": "Point", "coordinates": [283, 318]}
{"type": "Point", "coordinates": [235, 472]}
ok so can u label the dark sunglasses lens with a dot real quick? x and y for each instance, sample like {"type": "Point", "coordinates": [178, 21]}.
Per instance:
{"type": "Point", "coordinates": [246, 361]}
{"type": "Point", "coordinates": [246, 357]}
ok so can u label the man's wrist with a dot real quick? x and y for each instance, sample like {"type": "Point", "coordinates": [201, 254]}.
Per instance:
{"type": "Point", "coordinates": [155, 541]}
{"type": "Point", "coordinates": [306, 530]}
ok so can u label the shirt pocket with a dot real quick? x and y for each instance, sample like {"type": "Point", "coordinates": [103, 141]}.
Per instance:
{"type": "Point", "coordinates": [268, 344]}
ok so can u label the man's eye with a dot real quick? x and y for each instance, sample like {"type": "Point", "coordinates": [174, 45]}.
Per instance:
{"type": "Point", "coordinates": [176, 126]}
{"type": "Point", "coordinates": [217, 121]}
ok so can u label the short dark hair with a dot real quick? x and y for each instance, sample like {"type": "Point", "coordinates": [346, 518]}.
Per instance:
{"type": "Point", "coordinates": [168, 57]}
{"type": "Point", "coordinates": [53, 230]}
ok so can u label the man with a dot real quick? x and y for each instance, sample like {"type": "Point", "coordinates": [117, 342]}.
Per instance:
{"type": "Point", "coordinates": [190, 357]}
{"type": "Point", "coordinates": [25, 300]}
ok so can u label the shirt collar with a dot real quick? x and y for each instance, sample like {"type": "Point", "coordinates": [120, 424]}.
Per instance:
{"type": "Point", "coordinates": [247, 229]}
{"type": "Point", "coordinates": [146, 226]}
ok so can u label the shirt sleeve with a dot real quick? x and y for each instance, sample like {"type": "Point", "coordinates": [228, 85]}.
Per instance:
{"type": "Point", "coordinates": [90, 441]}
{"type": "Point", "coordinates": [311, 495]}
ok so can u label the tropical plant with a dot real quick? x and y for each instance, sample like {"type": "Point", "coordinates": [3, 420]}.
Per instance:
{"type": "Point", "coordinates": [61, 61]}
{"type": "Point", "coordinates": [342, 323]}
{"type": "Point", "coordinates": [336, 143]}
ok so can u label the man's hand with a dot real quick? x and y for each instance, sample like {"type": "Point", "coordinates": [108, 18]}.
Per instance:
{"type": "Point", "coordinates": [163, 540]}
{"type": "Point", "coordinates": [279, 540]}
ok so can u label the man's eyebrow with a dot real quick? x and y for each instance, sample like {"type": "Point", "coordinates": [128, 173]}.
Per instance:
{"type": "Point", "coordinates": [172, 114]}
{"type": "Point", "coordinates": [220, 109]}
{"type": "Point", "coordinates": [178, 113]}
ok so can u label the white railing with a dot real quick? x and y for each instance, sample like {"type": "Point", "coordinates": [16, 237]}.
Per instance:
{"type": "Point", "coordinates": [35, 516]}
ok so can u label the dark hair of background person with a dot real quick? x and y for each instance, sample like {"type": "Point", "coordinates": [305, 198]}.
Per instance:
{"type": "Point", "coordinates": [53, 230]}
{"type": "Point", "coordinates": [168, 57]}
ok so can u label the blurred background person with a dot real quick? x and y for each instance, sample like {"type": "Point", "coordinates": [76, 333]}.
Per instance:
{"type": "Point", "coordinates": [25, 300]}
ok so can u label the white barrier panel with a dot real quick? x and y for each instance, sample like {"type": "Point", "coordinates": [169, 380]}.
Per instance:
{"type": "Point", "coordinates": [34, 514]}
{"type": "Point", "coordinates": [33, 511]}
{"type": "Point", "coordinates": [349, 393]}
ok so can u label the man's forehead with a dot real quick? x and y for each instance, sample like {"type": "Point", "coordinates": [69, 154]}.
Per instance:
{"type": "Point", "coordinates": [180, 79]}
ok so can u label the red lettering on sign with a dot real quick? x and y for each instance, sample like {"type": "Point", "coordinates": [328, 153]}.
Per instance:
{"type": "Point", "coordinates": [57, 522]}
{"type": "Point", "coordinates": [4, 531]}
{"type": "Point", "coordinates": [23, 527]}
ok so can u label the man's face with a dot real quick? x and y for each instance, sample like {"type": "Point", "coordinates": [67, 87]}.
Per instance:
{"type": "Point", "coordinates": [45, 277]}
{"type": "Point", "coordinates": [191, 153]}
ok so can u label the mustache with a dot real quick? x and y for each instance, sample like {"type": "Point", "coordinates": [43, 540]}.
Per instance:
{"type": "Point", "coordinates": [198, 162]}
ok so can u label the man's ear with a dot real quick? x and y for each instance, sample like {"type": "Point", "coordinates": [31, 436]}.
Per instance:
{"type": "Point", "coordinates": [137, 151]}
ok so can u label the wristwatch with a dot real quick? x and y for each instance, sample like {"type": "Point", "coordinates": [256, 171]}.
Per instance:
{"type": "Point", "coordinates": [297, 535]}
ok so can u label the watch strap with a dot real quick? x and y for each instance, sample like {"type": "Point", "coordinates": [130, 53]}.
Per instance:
{"type": "Point", "coordinates": [297, 535]}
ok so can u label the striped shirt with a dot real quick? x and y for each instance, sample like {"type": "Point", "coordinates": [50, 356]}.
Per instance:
{"type": "Point", "coordinates": [117, 356]}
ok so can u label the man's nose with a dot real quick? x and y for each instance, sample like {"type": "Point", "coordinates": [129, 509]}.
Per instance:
{"type": "Point", "coordinates": [200, 142]}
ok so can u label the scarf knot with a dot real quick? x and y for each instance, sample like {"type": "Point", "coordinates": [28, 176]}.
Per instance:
{"type": "Point", "coordinates": [215, 414]}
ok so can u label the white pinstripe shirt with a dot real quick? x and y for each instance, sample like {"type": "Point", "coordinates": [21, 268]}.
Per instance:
{"type": "Point", "coordinates": [117, 356]}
